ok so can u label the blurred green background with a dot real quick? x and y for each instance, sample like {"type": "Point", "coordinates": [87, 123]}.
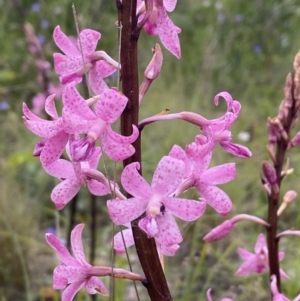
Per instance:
{"type": "Point", "coordinates": [243, 47]}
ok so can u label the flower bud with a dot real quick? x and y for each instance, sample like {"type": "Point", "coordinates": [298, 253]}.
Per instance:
{"type": "Point", "coordinates": [295, 141]}
{"type": "Point", "coordinates": [269, 173]}
{"type": "Point", "coordinates": [288, 198]}
{"type": "Point", "coordinates": [220, 231]}
{"type": "Point", "coordinates": [153, 69]}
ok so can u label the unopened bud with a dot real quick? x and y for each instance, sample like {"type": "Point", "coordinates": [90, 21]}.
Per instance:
{"type": "Point", "coordinates": [226, 227]}
{"type": "Point", "coordinates": [220, 231]}
{"type": "Point", "coordinates": [295, 141]}
{"type": "Point", "coordinates": [278, 128]}
{"type": "Point", "coordinates": [289, 196]}
{"type": "Point", "coordinates": [269, 173]}
{"type": "Point", "coordinates": [152, 71]}
{"type": "Point", "coordinates": [287, 199]}
{"type": "Point", "coordinates": [272, 137]}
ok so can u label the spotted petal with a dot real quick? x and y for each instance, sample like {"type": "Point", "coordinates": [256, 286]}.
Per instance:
{"type": "Point", "coordinates": [247, 267]}
{"type": "Point", "coordinates": [188, 210]}
{"type": "Point", "coordinates": [75, 103]}
{"type": "Point", "coordinates": [95, 285]}
{"type": "Point", "coordinates": [134, 183]}
{"type": "Point", "coordinates": [168, 175]}
{"type": "Point", "coordinates": [77, 247]}
{"type": "Point", "coordinates": [168, 33]}
{"type": "Point", "coordinates": [70, 292]}
{"type": "Point", "coordinates": [169, 233]}
{"type": "Point", "coordinates": [244, 254]}
{"type": "Point", "coordinates": [50, 106]}
{"type": "Point", "coordinates": [169, 4]}
{"type": "Point", "coordinates": [97, 188]}
{"type": "Point", "coordinates": [178, 153]}
{"type": "Point", "coordinates": [215, 197]}
{"type": "Point", "coordinates": [61, 169]}
{"type": "Point", "coordinates": [125, 211]}
{"type": "Point", "coordinates": [110, 105]}
{"type": "Point", "coordinates": [65, 191]}
{"type": "Point", "coordinates": [123, 139]}
{"type": "Point", "coordinates": [96, 82]}
{"type": "Point", "coordinates": [219, 174]}
{"type": "Point", "coordinates": [119, 243]}
{"type": "Point", "coordinates": [62, 252]}
{"type": "Point", "coordinates": [260, 243]}
{"type": "Point", "coordinates": [53, 148]}
{"type": "Point", "coordinates": [29, 115]}
{"type": "Point", "coordinates": [64, 43]}
{"type": "Point", "coordinates": [236, 149]}
{"type": "Point", "coordinates": [88, 40]}
{"type": "Point", "coordinates": [115, 150]}
{"type": "Point", "coordinates": [72, 273]}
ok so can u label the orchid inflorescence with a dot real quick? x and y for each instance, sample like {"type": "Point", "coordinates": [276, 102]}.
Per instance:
{"type": "Point", "coordinates": [84, 131]}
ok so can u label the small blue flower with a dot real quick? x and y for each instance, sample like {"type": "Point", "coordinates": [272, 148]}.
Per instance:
{"type": "Point", "coordinates": [36, 7]}
{"type": "Point", "coordinates": [50, 230]}
{"type": "Point", "coordinates": [238, 18]}
{"type": "Point", "coordinates": [42, 39]}
{"type": "Point", "coordinates": [45, 24]}
{"type": "Point", "coordinates": [4, 106]}
{"type": "Point", "coordinates": [257, 48]}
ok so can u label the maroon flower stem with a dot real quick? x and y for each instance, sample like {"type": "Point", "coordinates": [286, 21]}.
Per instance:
{"type": "Point", "coordinates": [274, 197]}
{"type": "Point", "coordinates": [93, 228]}
{"type": "Point", "coordinates": [72, 214]}
{"type": "Point", "coordinates": [272, 241]}
{"type": "Point", "coordinates": [146, 248]}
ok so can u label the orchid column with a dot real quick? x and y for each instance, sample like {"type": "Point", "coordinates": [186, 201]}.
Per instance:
{"type": "Point", "coordinates": [129, 33]}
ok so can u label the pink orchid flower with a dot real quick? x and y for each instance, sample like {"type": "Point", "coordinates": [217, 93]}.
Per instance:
{"type": "Point", "coordinates": [257, 262]}
{"type": "Point", "coordinates": [218, 129]}
{"type": "Point", "coordinates": [52, 132]}
{"type": "Point", "coordinates": [120, 248]}
{"type": "Point", "coordinates": [79, 118]}
{"type": "Point", "coordinates": [73, 176]}
{"type": "Point", "coordinates": [197, 159]}
{"type": "Point", "coordinates": [215, 130]}
{"type": "Point", "coordinates": [209, 298]}
{"type": "Point", "coordinates": [75, 63]}
{"type": "Point", "coordinates": [155, 201]}
{"type": "Point", "coordinates": [160, 24]}
{"type": "Point", "coordinates": [74, 272]}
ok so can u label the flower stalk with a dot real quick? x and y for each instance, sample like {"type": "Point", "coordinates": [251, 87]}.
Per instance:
{"type": "Point", "coordinates": [287, 115]}
{"type": "Point", "coordinates": [146, 248]}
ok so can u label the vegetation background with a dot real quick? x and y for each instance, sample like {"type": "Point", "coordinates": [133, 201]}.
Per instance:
{"type": "Point", "coordinates": [243, 47]}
